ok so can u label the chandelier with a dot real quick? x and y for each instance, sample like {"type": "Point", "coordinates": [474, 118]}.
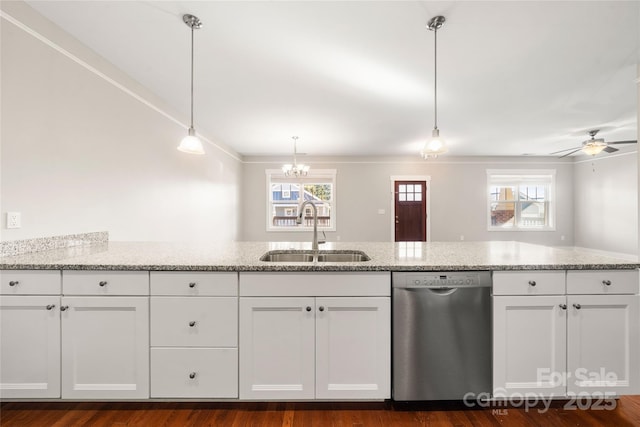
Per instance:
{"type": "Point", "coordinates": [295, 169]}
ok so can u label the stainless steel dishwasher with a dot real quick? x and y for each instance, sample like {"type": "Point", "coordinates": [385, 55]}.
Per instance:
{"type": "Point", "coordinates": [442, 337]}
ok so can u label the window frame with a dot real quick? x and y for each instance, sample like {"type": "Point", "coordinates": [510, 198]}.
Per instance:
{"type": "Point", "coordinates": [517, 178]}
{"type": "Point", "coordinates": [274, 176]}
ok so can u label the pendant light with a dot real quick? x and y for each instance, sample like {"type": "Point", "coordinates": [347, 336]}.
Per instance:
{"type": "Point", "coordinates": [295, 169]}
{"type": "Point", "coordinates": [436, 145]}
{"type": "Point", "coordinates": [191, 143]}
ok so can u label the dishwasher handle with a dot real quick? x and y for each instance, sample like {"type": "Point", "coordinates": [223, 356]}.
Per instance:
{"type": "Point", "coordinates": [438, 291]}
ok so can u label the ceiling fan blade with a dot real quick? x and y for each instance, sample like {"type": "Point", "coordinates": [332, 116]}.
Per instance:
{"type": "Point", "coordinates": [622, 142]}
{"type": "Point", "coordinates": [610, 149]}
{"type": "Point", "coordinates": [571, 152]}
{"type": "Point", "coordinates": [566, 149]}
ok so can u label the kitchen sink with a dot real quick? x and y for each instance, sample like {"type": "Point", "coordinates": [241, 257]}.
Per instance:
{"type": "Point", "coordinates": [310, 256]}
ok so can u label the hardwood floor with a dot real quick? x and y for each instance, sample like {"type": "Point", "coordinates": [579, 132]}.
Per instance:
{"type": "Point", "coordinates": [68, 414]}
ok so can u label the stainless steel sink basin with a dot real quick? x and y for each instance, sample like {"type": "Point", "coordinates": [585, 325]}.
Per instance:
{"type": "Point", "coordinates": [308, 256]}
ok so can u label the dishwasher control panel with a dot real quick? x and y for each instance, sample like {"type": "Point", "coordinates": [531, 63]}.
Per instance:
{"type": "Point", "coordinates": [441, 280]}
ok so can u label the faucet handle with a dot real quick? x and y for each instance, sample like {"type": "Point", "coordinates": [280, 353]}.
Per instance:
{"type": "Point", "coordinates": [323, 240]}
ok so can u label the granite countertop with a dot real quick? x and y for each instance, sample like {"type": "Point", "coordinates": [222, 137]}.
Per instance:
{"type": "Point", "coordinates": [385, 256]}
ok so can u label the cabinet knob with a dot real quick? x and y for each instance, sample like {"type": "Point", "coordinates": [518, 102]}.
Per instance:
{"type": "Point", "coordinates": [192, 375]}
{"type": "Point", "coordinates": [321, 308]}
{"type": "Point", "coordinates": [563, 306]}
{"type": "Point", "coordinates": [532, 282]}
{"type": "Point", "coordinates": [64, 308]}
{"type": "Point", "coordinates": [14, 283]}
{"type": "Point", "coordinates": [103, 283]}
{"type": "Point", "coordinates": [606, 282]}
{"type": "Point", "coordinates": [192, 323]}
{"type": "Point", "coordinates": [308, 308]}
{"type": "Point", "coordinates": [50, 306]}
{"type": "Point", "coordinates": [577, 306]}
{"type": "Point", "coordinates": [192, 284]}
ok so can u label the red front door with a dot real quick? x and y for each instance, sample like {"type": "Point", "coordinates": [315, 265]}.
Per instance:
{"type": "Point", "coordinates": [411, 211]}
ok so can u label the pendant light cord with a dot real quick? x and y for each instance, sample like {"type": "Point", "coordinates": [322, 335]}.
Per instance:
{"type": "Point", "coordinates": [435, 78]}
{"type": "Point", "coordinates": [192, 76]}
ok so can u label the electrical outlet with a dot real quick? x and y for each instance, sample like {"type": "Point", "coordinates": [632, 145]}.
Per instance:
{"type": "Point", "coordinates": [13, 220]}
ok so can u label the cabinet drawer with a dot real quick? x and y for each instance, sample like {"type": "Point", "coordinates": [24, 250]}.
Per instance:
{"type": "Point", "coordinates": [603, 282]}
{"type": "Point", "coordinates": [105, 282]}
{"type": "Point", "coordinates": [194, 283]}
{"type": "Point", "coordinates": [30, 282]}
{"type": "Point", "coordinates": [194, 372]}
{"type": "Point", "coordinates": [536, 282]}
{"type": "Point", "coordinates": [194, 322]}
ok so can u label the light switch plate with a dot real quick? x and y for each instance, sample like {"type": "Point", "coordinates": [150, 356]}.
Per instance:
{"type": "Point", "coordinates": [13, 220]}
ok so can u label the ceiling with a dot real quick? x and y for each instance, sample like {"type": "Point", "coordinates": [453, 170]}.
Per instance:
{"type": "Point", "coordinates": [356, 77]}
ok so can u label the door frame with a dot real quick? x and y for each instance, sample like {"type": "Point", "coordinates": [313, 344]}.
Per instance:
{"type": "Point", "coordinates": [427, 181]}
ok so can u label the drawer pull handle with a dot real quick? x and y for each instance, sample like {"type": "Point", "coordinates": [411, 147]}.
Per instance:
{"type": "Point", "coordinates": [192, 323]}
{"type": "Point", "coordinates": [577, 306]}
{"type": "Point", "coordinates": [64, 308]}
{"type": "Point", "coordinates": [192, 284]}
{"type": "Point", "coordinates": [532, 282]}
{"type": "Point", "coordinates": [192, 375]}
{"type": "Point", "coordinates": [50, 306]}
{"type": "Point", "coordinates": [321, 308]}
{"type": "Point", "coordinates": [606, 282]}
{"type": "Point", "coordinates": [563, 306]}
{"type": "Point", "coordinates": [308, 308]}
{"type": "Point", "coordinates": [103, 283]}
{"type": "Point", "coordinates": [14, 283]}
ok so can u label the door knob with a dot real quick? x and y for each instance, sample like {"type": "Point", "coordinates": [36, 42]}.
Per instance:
{"type": "Point", "coordinates": [577, 306]}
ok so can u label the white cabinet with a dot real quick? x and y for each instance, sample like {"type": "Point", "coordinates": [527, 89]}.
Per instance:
{"type": "Point", "coordinates": [105, 339]}
{"type": "Point", "coordinates": [529, 343]}
{"type": "Point", "coordinates": [567, 345]}
{"type": "Point", "coordinates": [603, 343]}
{"type": "Point", "coordinates": [194, 335]}
{"type": "Point", "coordinates": [315, 345]}
{"type": "Point", "coordinates": [29, 334]}
{"type": "Point", "coordinates": [277, 348]}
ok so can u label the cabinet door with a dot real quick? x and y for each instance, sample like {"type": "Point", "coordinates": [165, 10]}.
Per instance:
{"type": "Point", "coordinates": [529, 345]}
{"type": "Point", "coordinates": [30, 347]}
{"type": "Point", "coordinates": [353, 348]}
{"type": "Point", "coordinates": [105, 347]}
{"type": "Point", "coordinates": [603, 344]}
{"type": "Point", "coordinates": [277, 342]}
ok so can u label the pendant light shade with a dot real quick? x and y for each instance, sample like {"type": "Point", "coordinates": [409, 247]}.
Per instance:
{"type": "Point", "coordinates": [191, 143]}
{"type": "Point", "coordinates": [435, 145]}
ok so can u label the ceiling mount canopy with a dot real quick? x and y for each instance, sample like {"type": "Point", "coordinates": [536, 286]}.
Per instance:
{"type": "Point", "coordinates": [295, 169]}
{"type": "Point", "coordinates": [191, 143]}
{"type": "Point", "coordinates": [436, 145]}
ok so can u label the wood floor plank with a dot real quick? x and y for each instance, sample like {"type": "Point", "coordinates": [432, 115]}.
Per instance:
{"type": "Point", "coordinates": [288, 414]}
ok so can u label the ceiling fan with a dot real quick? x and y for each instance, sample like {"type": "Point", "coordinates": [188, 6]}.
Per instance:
{"type": "Point", "coordinates": [593, 146]}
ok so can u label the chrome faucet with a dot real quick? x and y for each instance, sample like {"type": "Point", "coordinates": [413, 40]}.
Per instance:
{"type": "Point", "coordinates": [314, 243]}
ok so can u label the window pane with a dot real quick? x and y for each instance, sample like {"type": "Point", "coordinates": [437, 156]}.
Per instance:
{"type": "Point", "coordinates": [402, 188]}
{"type": "Point", "coordinates": [533, 192]}
{"type": "Point", "coordinates": [499, 193]}
{"type": "Point", "coordinates": [410, 188]}
{"type": "Point", "coordinates": [316, 192]}
{"type": "Point", "coordinates": [503, 214]}
{"type": "Point", "coordinates": [402, 197]}
{"type": "Point", "coordinates": [410, 197]}
{"type": "Point", "coordinates": [418, 197]}
{"type": "Point", "coordinates": [533, 214]}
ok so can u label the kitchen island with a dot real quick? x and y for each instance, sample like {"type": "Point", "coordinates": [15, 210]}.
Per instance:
{"type": "Point", "coordinates": [144, 320]}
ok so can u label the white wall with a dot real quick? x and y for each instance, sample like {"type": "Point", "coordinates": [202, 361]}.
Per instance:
{"type": "Point", "coordinates": [457, 198]}
{"type": "Point", "coordinates": [606, 203]}
{"type": "Point", "coordinates": [79, 154]}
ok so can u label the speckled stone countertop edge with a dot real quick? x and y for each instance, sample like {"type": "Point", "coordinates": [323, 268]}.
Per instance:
{"type": "Point", "coordinates": [245, 257]}
{"type": "Point", "coordinates": [308, 267]}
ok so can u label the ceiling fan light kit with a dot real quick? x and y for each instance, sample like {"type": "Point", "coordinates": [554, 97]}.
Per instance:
{"type": "Point", "coordinates": [594, 146]}
{"type": "Point", "coordinates": [436, 145]}
{"type": "Point", "coordinates": [191, 143]}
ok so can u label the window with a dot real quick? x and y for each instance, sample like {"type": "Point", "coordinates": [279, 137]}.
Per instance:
{"type": "Point", "coordinates": [286, 194]}
{"type": "Point", "coordinates": [521, 200]}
